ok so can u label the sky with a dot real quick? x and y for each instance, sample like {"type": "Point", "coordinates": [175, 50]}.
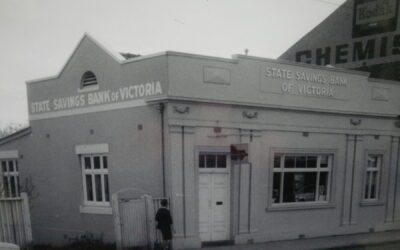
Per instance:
{"type": "Point", "coordinates": [38, 36]}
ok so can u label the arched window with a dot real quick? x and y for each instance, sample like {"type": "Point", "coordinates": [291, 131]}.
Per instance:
{"type": "Point", "coordinates": [88, 79]}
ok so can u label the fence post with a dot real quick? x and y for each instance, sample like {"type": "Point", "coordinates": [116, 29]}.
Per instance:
{"type": "Point", "coordinates": [117, 220]}
{"type": "Point", "coordinates": [27, 218]}
{"type": "Point", "coordinates": [150, 220]}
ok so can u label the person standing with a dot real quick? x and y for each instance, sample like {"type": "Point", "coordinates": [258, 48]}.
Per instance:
{"type": "Point", "coordinates": [164, 224]}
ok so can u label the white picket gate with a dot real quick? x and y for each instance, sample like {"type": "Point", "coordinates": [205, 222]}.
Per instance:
{"type": "Point", "coordinates": [134, 221]}
{"type": "Point", "coordinates": [134, 224]}
{"type": "Point", "coordinates": [15, 222]}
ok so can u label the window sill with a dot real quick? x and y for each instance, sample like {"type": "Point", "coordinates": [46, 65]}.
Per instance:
{"type": "Point", "coordinates": [371, 203]}
{"type": "Point", "coordinates": [88, 88]}
{"type": "Point", "coordinates": [95, 210]}
{"type": "Point", "coordinates": [289, 207]}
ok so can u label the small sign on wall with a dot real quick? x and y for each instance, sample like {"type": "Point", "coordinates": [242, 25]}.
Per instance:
{"type": "Point", "coordinates": [380, 94]}
{"type": "Point", "coordinates": [374, 17]}
{"type": "Point", "coordinates": [217, 75]}
{"type": "Point", "coordinates": [240, 153]}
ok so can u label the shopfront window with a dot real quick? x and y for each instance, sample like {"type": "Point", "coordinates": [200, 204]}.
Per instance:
{"type": "Point", "coordinates": [95, 180]}
{"type": "Point", "coordinates": [9, 186]}
{"type": "Point", "coordinates": [373, 168]}
{"type": "Point", "coordinates": [301, 178]}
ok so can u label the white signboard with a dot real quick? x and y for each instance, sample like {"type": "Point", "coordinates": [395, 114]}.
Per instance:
{"type": "Point", "coordinates": [94, 98]}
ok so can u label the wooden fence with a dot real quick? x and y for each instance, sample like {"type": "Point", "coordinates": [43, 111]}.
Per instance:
{"type": "Point", "coordinates": [15, 222]}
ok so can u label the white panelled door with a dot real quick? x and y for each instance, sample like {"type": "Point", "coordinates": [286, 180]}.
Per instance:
{"type": "Point", "coordinates": [214, 193]}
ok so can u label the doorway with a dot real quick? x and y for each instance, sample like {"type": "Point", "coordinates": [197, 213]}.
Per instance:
{"type": "Point", "coordinates": [214, 196]}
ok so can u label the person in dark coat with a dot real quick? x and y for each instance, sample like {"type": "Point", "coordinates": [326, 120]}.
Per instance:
{"type": "Point", "coordinates": [164, 223]}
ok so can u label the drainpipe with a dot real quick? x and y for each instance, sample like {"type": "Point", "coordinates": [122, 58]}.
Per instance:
{"type": "Point", "coordinates": [162, 108]}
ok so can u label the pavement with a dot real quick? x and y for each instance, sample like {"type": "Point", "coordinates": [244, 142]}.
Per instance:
{"type": "Point", "coordinates": [379, 241]}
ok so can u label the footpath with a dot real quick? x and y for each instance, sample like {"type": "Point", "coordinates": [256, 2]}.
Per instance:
{"type": "Point", "coordinates": [380, 240]}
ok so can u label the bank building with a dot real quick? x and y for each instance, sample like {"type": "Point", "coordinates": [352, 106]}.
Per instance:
{"type": "Point", "coordinates": [246, 149]}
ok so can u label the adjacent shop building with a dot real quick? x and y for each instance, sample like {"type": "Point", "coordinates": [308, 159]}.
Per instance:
{"type": "Point", "coordinates": [360, 34]}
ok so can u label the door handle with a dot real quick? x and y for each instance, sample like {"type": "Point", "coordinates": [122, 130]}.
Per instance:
{"type": "Point", "coordinates": [218, 203]}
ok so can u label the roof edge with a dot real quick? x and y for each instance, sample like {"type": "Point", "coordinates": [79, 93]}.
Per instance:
{"type": "Point", "coordinates": [192, 55]}
{"type": "Point", "coordinates": [126, 61]}
{"type": "Point", "coordinates": [16, 135]}
{"type": "Point", "coordinates": [381, 80]}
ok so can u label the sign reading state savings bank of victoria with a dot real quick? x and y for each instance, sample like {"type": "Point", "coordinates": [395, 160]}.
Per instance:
{"type": "Point", "coordinates": [97, 100]}
{"type": "Point", "coordinates": [301, 82]}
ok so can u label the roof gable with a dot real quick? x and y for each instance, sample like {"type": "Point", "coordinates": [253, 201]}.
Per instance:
{"type": "Point", "coordinates": [86, 40]}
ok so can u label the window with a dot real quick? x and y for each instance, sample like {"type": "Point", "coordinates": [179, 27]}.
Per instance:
{"type": "Point", "coordinates": [10, 178]}
{"type": "Point", "coordinates": [373, 168]}
{"type": "Point", "coordinates": [95, 180]}
{"type": "Point", "coordinates": [301, 178]}
{"type": "Point", "coordinates": [212, 160]}
{"type": "Point", "coordinates": [88, 79]}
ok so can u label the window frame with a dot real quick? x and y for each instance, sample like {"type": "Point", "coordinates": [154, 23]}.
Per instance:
{"type": "Point", "coordinates": [93, 172]}
{"type": "Point", "coordinates": [215, 169]}
{"type": "Point", "coordinates": [366, 170]}
{"type": "Point", "coordinates": [9, 175]}
{"type": "Point", "coordinates": [328, 203]}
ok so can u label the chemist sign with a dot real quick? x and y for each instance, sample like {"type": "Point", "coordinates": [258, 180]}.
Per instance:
{"type": "Point", "coordinates": [303, 82]}
{"type": "Point", "coordinates": [96, 98]}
